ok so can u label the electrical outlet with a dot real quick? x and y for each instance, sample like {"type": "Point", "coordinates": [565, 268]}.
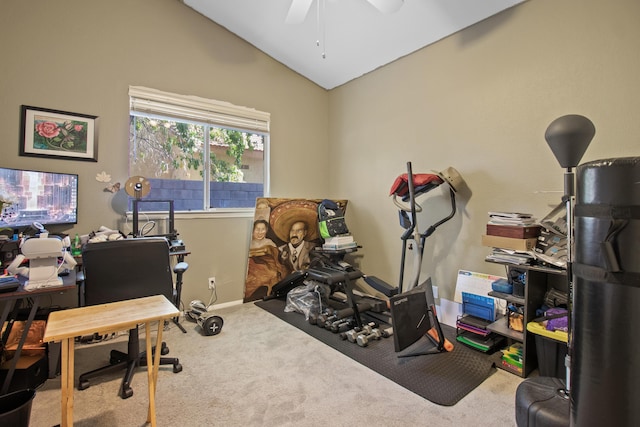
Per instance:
{"type": "Point", "coordinates": [212, 283]}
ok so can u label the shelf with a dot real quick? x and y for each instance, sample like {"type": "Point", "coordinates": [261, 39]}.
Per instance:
{"type": "Point", "coordinates": [510, 298]}
{"type": "Point", "coordinates": [538, 280]}
{"type": "Point", "coordinates": [540, 268]}
{"type": "Point", "coordinates": [500, 327]}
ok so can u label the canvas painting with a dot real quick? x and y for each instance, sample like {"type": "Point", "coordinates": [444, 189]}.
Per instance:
{"type": "Point", "coordinates": [284, 235]}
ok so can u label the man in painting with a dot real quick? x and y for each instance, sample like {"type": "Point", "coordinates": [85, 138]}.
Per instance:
{"type": "Point", "coordinates": [295, 255]}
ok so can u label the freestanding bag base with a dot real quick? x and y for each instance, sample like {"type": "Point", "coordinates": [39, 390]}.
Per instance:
{"type": "Point", "coordinates": [605, 366]}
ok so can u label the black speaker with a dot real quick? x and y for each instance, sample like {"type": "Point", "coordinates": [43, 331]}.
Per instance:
{"type": "Point", "coordinates": [31, 372]}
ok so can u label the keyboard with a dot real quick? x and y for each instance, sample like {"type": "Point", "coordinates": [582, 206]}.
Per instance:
{"type": "Point", "coordinates": [9, 284]}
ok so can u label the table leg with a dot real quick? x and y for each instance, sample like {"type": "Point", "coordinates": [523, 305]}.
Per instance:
{"type": "Point", "coordinates": [153, 366]}
{"type": "Point", "coordinates": [66, 380]}
{"type": "Point", "coordinates": [156, 362]}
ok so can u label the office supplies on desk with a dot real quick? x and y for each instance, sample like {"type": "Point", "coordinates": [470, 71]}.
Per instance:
{"type": "Point", "coordinates": [43, 254]}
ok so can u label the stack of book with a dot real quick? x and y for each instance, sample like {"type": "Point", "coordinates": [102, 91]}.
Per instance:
{"type": "Point", "coordinates": [511, 359]}
{"type": "Point", "coordinates": [337, 243]}
{"type": "Point", "coordinates": [473, 326]}
{"type": "Point", "coordinates": [512, 231]}
{"type": "Point", "coordinates": [473, 332]}
{"type": "Point", "coordinates": [511, 257]}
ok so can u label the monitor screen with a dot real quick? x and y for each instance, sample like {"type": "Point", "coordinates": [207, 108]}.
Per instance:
{"type": "Point", "coordinates": [48, 198]}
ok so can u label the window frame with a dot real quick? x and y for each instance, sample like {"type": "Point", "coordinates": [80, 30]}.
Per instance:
{"type": "Point", "coordinates": [150, 102]}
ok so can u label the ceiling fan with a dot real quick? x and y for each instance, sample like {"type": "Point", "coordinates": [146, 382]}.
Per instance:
{"type": "Point", "coordinates": [299, 8]}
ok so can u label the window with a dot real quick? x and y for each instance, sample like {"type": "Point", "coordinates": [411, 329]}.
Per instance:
{"type": "Point", "coordinates": [200, 153]}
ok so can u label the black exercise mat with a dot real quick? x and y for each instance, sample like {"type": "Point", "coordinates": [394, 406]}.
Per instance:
{"type": "Point", "coordinates": [442, 378]}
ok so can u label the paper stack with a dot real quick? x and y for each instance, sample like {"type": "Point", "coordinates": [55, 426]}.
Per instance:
{"type": "Point", "coordinates": [510, 218]}
{"type": "Point", "coordinates": [339, 242]}
{"type": "Point", "coordinates": [513, 235]}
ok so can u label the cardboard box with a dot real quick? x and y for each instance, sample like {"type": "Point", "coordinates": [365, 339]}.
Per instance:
{"type": "Point", "coordinates": [514, 231]}
{"type": "Point", "coordinates": [509, 243]}
{"type": "Point", "coordinates": [33, 345]}
{"type": "Point", "coordinates": [31, 372]}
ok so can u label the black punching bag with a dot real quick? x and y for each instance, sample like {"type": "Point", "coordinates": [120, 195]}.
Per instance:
{"type": "Point", "coordinates": [605, 373]}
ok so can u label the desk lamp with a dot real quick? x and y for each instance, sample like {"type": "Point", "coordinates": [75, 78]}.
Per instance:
{"type": "Point", "coordinates": [568, 137]}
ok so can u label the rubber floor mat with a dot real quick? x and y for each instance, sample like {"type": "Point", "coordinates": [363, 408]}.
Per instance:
{"type": "Point", "coordinates": [442, 378]}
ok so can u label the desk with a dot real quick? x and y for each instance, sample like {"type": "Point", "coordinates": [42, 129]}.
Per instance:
{"type": "Point", "coordinates": [65, 325]}
{"type": "Point", "coordinates": [13, 301]}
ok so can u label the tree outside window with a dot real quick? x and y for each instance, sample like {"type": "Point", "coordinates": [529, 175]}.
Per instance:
{"type": "Point", "coordinates": [197, 165]}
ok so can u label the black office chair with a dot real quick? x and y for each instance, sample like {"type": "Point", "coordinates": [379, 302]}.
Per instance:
{"type": "Point", "coordinates": [125, 269]}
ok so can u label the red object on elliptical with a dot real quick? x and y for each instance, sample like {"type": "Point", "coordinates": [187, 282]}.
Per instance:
{"type": "Point", "coordinates": [429, 181]}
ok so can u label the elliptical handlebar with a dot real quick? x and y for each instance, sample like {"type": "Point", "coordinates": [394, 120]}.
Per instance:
{"type": "Point", "coordinates": [412, 232]}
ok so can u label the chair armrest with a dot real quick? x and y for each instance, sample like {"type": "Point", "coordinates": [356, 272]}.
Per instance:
{"type": "Point", "coordinates": [180, 267]}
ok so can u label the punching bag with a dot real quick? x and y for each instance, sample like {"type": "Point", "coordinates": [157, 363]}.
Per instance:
{"type": "Point", "coordinates": [605, 365]}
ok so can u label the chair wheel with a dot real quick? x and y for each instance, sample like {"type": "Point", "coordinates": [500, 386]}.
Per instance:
{"type": "Point", "coordinates": [83, 385]}
{"type": "Point", "coordinates": [126, 393]}
{"type": "Point", "coordinates": [177, 367]}
{"type": "Point", "coordinates": [164, 350]}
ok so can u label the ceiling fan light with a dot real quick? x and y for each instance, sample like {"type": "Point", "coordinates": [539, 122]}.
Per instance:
{"type": "Point", "coordinates": [387, 6]}
{"type": "Point", "coordinates": [298, 11]}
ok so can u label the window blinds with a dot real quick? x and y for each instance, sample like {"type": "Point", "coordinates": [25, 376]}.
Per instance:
{"type": "Point", "coordinates": [194, 108]}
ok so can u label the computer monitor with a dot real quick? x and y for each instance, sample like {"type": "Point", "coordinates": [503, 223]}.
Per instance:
{"type": "Point", "coordinates": [47, 198]}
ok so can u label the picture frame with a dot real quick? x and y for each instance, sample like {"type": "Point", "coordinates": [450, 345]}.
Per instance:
{"type": "Point", "coordinates": [58, 134]}
{"type": "Point", "coordinates": [277, 223]}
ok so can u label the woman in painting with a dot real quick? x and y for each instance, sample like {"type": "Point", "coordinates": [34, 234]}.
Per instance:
{"type": "Point", "coordinates": [264, 269]}
{"type": "Point", "coordinates": [259, 237]}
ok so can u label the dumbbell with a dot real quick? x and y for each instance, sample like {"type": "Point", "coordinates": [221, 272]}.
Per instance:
{"type": "Point", "coordinates": [327, 321]}
{"type": "Point", "coordinates": [352, 335]}
{"type": "Point", "coordinates": [322, 317]}
{"type": "Point", "coordinates": [386, 333]}
{"type": "Point", "coordinates": [313, 318]}
{"type": "Point", "coordinates": [333, 326]}
{"type": "Point", "coordinates": [363, 339]}
{"type": "Point", "coordinates": [344, 326]}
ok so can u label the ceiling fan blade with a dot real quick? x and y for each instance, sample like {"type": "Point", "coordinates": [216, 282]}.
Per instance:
{"type": "Point", "coordinates": [298, 11]}
{"type": "Point", "coordinates": [387, 6]}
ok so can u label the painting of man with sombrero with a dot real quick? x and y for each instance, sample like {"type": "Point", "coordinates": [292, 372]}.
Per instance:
{"type": "Point", "coordinates": [290, 228]}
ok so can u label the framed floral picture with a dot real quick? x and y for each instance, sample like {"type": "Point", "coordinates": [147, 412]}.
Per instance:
{"type": "Point", "coordinates": [58, 134]}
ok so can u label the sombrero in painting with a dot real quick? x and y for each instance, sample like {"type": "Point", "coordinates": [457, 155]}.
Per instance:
{"type": "Point", "coordinates": [284, 215]}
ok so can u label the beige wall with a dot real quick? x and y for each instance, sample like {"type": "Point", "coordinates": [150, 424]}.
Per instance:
{"type": "Point", "coordinates": [80, 56]}
{"type": "Point", "coordinates": [479, 100]}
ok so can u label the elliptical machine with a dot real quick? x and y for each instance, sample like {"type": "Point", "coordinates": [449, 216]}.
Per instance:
{"type": "Point", "coordinates": [407, 187]}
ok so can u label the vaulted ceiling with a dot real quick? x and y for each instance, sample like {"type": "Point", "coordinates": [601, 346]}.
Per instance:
{"type": "Point", "coordinates": [332, 42]}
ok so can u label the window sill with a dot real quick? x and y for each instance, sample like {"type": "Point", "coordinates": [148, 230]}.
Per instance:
{"type": "Point", "coordinates": [187, 215]}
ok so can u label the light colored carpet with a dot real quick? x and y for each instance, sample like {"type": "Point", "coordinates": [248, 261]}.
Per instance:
{"type": "Point", "coordinates": [261, 371]}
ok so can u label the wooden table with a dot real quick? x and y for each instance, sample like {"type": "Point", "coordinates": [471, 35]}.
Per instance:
{"type": "Point", "coordinates": [65, 325]}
